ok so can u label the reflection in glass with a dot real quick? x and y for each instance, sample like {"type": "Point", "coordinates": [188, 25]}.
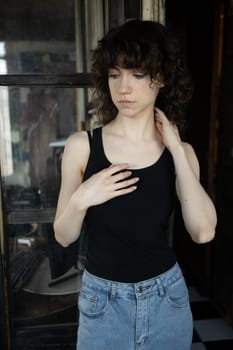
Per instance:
{"type": "Point", "coordinates": [35, 124]}
{"type": "Point", "coordinates": [53, 36]}
{"type": "Point", "coordinates": [42, 37]}
{"type": "Point", "coordinates": [5, 129]}
{"type": "Point", "coordinates": [3, 63]}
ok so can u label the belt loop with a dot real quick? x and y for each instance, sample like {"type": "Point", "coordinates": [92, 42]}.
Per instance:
{"type": "Point", "coordinates": [113, 290]}
{"type": "Point", "coordinates": [161, 288]}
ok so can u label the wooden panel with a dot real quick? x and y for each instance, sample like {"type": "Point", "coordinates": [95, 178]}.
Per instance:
{"type": "Point", "coordinates": [63, 80]}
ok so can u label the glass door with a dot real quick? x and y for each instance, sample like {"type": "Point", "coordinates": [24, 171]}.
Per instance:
{"type": "Point", "coordinates": [43, 281]}
{"type": "Point", "coordinates": [45, 96]}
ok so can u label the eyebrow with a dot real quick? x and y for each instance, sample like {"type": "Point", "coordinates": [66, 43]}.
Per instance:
{"type": "Point", "coordinates": [132, 69]}
{"type": "Point", "coordinates": [116, 67]}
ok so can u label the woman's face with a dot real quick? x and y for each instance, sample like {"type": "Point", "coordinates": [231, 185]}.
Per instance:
{"type": "Point", "coordinates": [132, 91]}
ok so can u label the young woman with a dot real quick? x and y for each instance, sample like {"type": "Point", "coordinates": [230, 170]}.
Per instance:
{"type": "Point", "coordinates": [122, 179]}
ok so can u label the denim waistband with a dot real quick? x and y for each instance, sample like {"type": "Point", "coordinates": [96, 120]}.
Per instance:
{"type": "Point", "coordinates": [156, 284]}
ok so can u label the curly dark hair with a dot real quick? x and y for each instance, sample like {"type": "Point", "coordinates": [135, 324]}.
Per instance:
{"type": "Point", "coordinates": [149, 46]}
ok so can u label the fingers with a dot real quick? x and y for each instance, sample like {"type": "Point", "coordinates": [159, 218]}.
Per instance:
{"type": "Point", "coordinates": [117, 168]}
{"type": "Point", "coordinates": [162, 121]}
{"type": "Point", "coordinates": [121, 176]}
{"type": "Point", "coordinates": [116, 179]}
{"type": "Point", "coordinates": [120, 179]}
{"type": "Point", "coordinates": [124, 191]}
{"type": "Point", "coordinates": [160, 117]}
{"type": "Point", "coordinates": [126, 183]}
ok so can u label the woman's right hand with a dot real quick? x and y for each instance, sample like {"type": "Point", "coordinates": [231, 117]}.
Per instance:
{"type": "Point", "coordinates": [106, 184]}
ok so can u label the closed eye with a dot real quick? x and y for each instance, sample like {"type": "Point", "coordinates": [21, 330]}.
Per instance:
{"type": "Point", "coordinates": [139, 75]}
{"type": "Point", "coordinates": [113, 75]}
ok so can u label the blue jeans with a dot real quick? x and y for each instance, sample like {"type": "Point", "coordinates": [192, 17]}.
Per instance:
{"type": "Point", "coordinates": [150, 315]}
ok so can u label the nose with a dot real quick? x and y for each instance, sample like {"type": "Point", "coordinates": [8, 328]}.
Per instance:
{"type": "Point", "coordinates": [124, 85]}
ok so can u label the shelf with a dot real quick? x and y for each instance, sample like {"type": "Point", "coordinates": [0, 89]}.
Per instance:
{"type": "Point", "coordinates": [30, 216]}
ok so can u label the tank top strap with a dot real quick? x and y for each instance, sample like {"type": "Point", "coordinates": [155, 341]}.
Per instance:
{"type": "Point", "coordinates": [89, 138]}
{"type": "Point", "coordinates": [94, 137]}
{"type": "Point", "coordinates": [96, 134]}
{"type": "Point", "coordinates": [96, 140]}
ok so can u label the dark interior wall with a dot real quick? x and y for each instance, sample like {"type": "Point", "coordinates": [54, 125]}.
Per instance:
{"type": "Point", "coordinates": [210, 265]}
{"type": "Point", "coordinates": [223, 280]}
{"type": "Point", "coordinates": [193, 22]}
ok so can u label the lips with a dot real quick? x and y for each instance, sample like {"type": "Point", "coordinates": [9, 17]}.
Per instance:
{"type": "Point", "coordinates": [125, 102]}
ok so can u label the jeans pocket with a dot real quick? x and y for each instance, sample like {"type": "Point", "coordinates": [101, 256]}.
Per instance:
{"type": "Point", "coordinates": [177, 292]}
{"type": "Point", "coordinates": [92, 302]}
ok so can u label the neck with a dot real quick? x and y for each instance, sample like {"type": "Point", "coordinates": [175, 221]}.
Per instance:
{"type": "Point", "coordinates": [134, 128]}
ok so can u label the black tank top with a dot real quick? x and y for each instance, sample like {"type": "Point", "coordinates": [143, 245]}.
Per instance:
{"type": "Point", "coordinates": [127, 235]}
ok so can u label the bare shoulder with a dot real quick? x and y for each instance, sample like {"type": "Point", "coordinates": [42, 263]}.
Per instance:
{"type": "Point", "coordinates": [192, 158]}
{"type": "Point", "coordinates": [77, 150]}
{"type": "Point", "coordinates": [74, 160]}
{"type": "Point", "coordinates": [78, 138]}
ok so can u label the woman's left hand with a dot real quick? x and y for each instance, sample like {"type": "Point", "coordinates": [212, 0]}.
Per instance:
{"type": "Point", "coordinates": [168, 131]}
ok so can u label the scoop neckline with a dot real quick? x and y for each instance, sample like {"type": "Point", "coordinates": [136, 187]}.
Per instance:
{"type": "Point", "coordinates": [132, 169]}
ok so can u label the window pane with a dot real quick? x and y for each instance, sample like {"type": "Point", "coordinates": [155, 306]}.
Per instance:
{"type": "Point", "coordinates": [53, 36]}
{"type": "Point", "coordinates": [34, 126]}
{"type": "Point", "coordinates": [36, 121]}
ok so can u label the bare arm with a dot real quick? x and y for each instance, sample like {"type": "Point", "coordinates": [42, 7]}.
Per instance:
{"type": "Point", "coordinates": [197, 208]}
{"type": "Point", "coordinates": [77, 196]}
{"type": "Point", "coordinates": [69, 216]}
